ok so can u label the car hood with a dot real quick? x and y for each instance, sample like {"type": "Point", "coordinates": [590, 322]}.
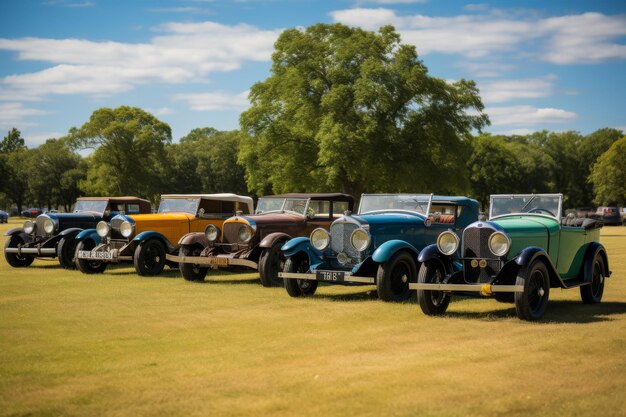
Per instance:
{"type": "Point", "coordinates": [273, 219]}
{"type": "Point", "coordinates": [385, 219]}
{"type": "Point", "coordinates": [526, 231]}
{"type": "Point", "coordinates": [70, 220]}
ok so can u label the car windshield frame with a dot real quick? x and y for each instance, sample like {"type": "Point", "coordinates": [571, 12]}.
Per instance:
{"type": "Point", "coordinates": [428, 199]}
{"type": "Point", "coordinates": [526, 205]}
{"type": "Point", "coordinates": [91, 206]}
{"type": "Point", "coordinates": [184, 205]}
{"type": "Point", "coordinates": [284, 207]}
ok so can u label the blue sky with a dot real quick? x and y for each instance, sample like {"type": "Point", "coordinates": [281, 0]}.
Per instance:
{"type": "Point", "coordinates": [557, 65]}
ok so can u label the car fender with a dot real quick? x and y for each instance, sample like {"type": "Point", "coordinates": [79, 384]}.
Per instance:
{"type": "Point", "coordinates": [145, 236]}
{"type": "Point", "coordinates": [587, 269]}
{"type": "Point", "coordinates": [302, 245]}
{"type": "Point", "coordinates": [385, 251]}
{"type": "Point", "coordinates": [269, 240]}
{"type": "Point", "coordinates": [89, 234]}
{"type": "Point", "coordinates": [432, 253]}
{"type": "Point", "coordinates": [16, 231]}
{"type": "Point", "coordinates": [194, 238]}
{"type": "Point", "coordinates": [69, 232]}
{"type": "Point", "coordinates": [529, 254]}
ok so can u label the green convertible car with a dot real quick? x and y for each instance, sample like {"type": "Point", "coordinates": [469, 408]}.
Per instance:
{"type": "Point", "coordinates": [524, 249]}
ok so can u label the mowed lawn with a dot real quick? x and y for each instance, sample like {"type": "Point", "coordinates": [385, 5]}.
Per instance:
{"type": "Point", "coordinates": [120, 345]}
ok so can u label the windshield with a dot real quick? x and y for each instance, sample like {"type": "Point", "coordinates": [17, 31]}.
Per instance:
{"type": "Point", "coordinates": [418, 203]}
{"type": "Point", "coordinates": [267, 204]}
{"type": "Point", "coordinates": [547, 204]}
{"type": "Point", "coordinates": [97, 206]}
{"type": "Point", "coordinates": [185, 205]}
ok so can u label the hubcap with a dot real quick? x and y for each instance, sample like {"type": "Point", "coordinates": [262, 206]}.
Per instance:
{"type": "Point", "coordinates": [541, 292]}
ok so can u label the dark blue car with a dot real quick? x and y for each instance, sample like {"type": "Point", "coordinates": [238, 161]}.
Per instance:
{"type": "Point", "coordinates": [4, 216]}
{"type": "Point", "coordinates": [53, 235]}
{"type": "Point", "coordinates": [379, 245]}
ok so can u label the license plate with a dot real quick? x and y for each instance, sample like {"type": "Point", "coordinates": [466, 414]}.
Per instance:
{"type": "Point", "coordinates": [330, 276]}
{"type": "Point", "coordinates": [218, 261]}
{"type": "Point", "coordinates": [86, 254]}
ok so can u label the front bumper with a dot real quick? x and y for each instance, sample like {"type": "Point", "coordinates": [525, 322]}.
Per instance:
{"type": "Point", "coordinates": [483, 289]}
{"type": "Point", "coordinates": [212, 261]}
{"type": "Point", "coordinates": [37, 251]}
{"type": "Point", "coordinates": [336, 277]}
{"type": "Point", "coordinates": [104, 253]}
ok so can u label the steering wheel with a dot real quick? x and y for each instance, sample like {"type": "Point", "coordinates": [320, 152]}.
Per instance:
{"type": "Point", "coordinates": [541, 210]}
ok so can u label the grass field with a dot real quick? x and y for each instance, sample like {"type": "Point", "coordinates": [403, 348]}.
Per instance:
{"type": "Point", "coordinates": [120, 345]}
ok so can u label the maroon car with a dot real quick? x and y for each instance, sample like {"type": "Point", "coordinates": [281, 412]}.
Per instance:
{"type": "Point", "coordinates": [254, 241]}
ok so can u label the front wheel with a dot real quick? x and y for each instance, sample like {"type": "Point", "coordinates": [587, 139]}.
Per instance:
{"type": "Point", "coordinates": [393, 277]}
{"type": "Point", "coordinates": [433, 303]}
{"type": "Point", "coordinates": [13, 259]}
{"type": "Point", "coordinates": [299, 287]}
{"type": "Point", "coordinates": [592, 293]}
{"type": "Point", "coordinates": [531, 304]}
{"type": "Point", "coordinates": [191, 272]}
{"type": "Point", "coordinates": [272, 261]}
{"type": "Point", "coordinates": [149, 258]}
{"type": "Point", "coordinates": [88, 266]}
{"type": "Point", "coordinates": [66, 251]}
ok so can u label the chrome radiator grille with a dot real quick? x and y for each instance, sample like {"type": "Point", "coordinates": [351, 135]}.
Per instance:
{"type": "Point", "coordinates": [340, 238]}
{"type": "Point", "coordinates": [115, 229]}
{"type": "Point", "coordinates": [476, 245]}
{"type": "Point", "coordinates": [231, 232]}
{"type": "Point", "coordinates": [39, 226]}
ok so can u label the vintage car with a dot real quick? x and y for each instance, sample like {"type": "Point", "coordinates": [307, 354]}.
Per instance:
{"type": "Point", "coordinates": [54, 234]}
{"type": "Point", "coordinates": [524, 249]}
{"type": "Point", "coordinates": [608, 215]}
{"type": "Point", "coordinates": [378, 246]}
{"type": "Point", "coordinates": [255, 241]}
{"type": "Point", "coordinates": [4, 216]}
{"type": "Point", "coordinates": [146, 239]}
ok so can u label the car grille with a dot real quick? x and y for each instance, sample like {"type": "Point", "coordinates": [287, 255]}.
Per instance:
{"type": "Point", "coordinates": [340, 239]}
{"type": "Point", "coordinates": [231, 232]}
{"type": "Point", "coordinates": [39, 232]}
{"type": "Point", "coordinates": [115, 229]}
{"type": "Point", "coordinates": [476, 246]}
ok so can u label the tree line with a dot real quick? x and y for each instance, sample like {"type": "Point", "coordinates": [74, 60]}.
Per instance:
{"type": "Point", "coordinates": [343, 109]}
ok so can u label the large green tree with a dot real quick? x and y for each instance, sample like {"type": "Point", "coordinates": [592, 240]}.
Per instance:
{"type": "Point", "coordinates": [609, 175]}
{"type": "Point", "coordinates": [129, 152]}
{"type": "Point", "coordinates": [12, 142]}
{"type": "Point", "coordinates": [351, 110]}
{"type": "Point", "coordinates": [206, 161]}
{"type": "Point", "coordinates": [594, 145]}
{"type": "Point", "coordinates": [14, 158]}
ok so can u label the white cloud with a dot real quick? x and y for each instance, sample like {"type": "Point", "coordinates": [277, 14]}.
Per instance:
{"type": "Point", "coordinates": [15, 114]}
{"type": "Point", "coordinates": [182, 52]}
{"type": "Point", "coordinates": [216, 100]}
{"type": "Point", "coordinates": [162, 111]}
{"type": "Point", "coordinates": [583, 38]}
{"type": "Point", "coordinates": [520, 132]}
{"type": "Point", "coordinates": [391, 1]}
{"type": "Point", "coordinates": [505, 90]}
{"type": "Point", "coordinates": [32, 140]}
{"type": "Point", "coordinates": [527, 115]}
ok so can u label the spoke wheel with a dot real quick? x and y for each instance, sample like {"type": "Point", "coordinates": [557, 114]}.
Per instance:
{"type": "Point", "coordinates": [192, 272]}
{"type": "Point", "coordinates": [531, 304]}
{"type": "Point", "coordinates": [299, 287]}
{"type": "Point", "coordinates": [394, 276]}
{"type": "Point", "coordinates": [432, 303]}
{"type": "Point", "coordinates": [13, 259]}
{"type": "Point", "coordinates": [592, 293]}
{"type": "Point", "coordinates": [272, 261]}
{"type": "Point", "coordinates": [149, 258]}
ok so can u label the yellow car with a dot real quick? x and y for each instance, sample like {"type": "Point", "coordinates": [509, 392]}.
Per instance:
{"type": "Point", "coordinates": [146, 239]}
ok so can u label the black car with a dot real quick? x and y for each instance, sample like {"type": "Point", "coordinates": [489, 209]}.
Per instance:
{"type": "Point", "coordinates": [31, 212]}
{"type": "Point", "coordinates": [4, 217]}
{"type": "Point", "coordinates": [53, 235]}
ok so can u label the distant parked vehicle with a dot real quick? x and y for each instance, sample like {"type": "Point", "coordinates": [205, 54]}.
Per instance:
{"type": "Point", "coordinates": [584, 212]}
{"type": "Point", "coordinates": [608, 215]}
{"type": "Point", "coordinates": [623, 214]}
{"type": "Point", "coordinates": [4, 217]}
{"type": "Point", "coordinates": [32, 212]}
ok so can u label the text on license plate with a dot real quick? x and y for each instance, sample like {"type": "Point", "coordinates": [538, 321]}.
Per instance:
{"type": "Point", "coordinates": [86, 254]}
{"type": "Point", "coordinates": [218, 261]}
{"type": "Point", "coordinates": [330, 276]}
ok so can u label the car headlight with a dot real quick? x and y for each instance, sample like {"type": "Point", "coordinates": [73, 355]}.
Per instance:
{"type": "Point", "coordinates": [103, 228]}
{"type": "Point", "coordinates": [212, 233]}
{"type": "Point", "coordinates": [29, 227]}
{"type": "Point", "coordinates": [126, 229]}
{"type": "Point", "coordinates": [360, 239]}
{"type": "Point", "coordinates": [245, 234]}
{"type": "Point", "coordinates": [499, 244]}
{"type": "Point", "coordinates": [447, 242]}
{"type": "Point", "coordinates": [48, 226]}
{"type": "Point", "coordinates": [320, 239]}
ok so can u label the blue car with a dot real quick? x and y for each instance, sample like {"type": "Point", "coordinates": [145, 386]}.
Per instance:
{"type": "Point", "coordinates": [4, 216]}
{"type": "Point", "coordinates": [379, 245]}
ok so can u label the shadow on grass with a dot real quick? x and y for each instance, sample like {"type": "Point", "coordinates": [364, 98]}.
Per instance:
{"type": "Point", "coordinates": [557, 312]}
{"type": "Point", "coordinates": [365, 295]}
